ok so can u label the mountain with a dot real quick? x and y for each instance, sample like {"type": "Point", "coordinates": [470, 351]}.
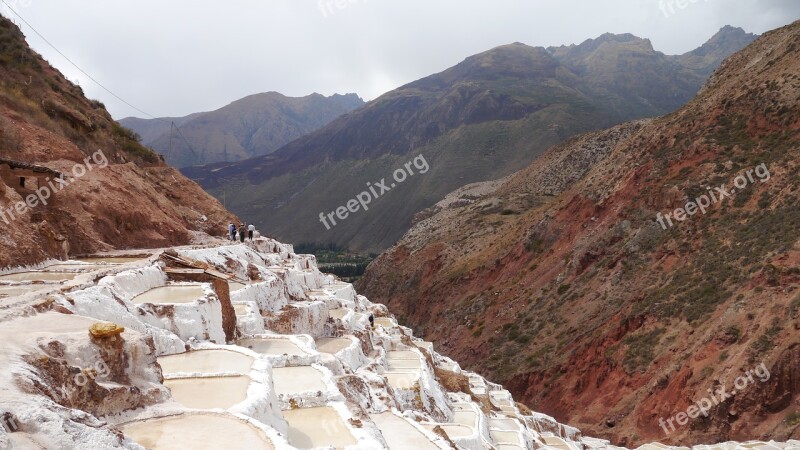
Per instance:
{"type": "Point", "coordinates": [114, 192]}
{"type": "Point", "coordinates": [482, 119]}
{"type": "Point", "coordinates": [253, 126]}
{"type": "Point", "coordinates": [579, 284]}
{"type": "Point", "coordinates": [706, 58]}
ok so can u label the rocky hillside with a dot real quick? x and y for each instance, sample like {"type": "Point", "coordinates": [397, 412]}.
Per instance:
{"type": "Point", "coordinates": [632, 273]}
{"type": "Point", "coordinates": [115, 193]}
{"type": "Point", "coordinates": [253, 126]}
{"type": "Point", "coordinates": [482, 119]}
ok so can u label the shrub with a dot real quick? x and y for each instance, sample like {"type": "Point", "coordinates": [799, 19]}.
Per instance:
{"type": "Point", "coordinates": [641, 350]}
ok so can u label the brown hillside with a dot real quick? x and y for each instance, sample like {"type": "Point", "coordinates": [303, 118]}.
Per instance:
{"type": "Point", "coordinates": [560, 283]}
{"type": "Point", "coordinates": [129, 198]}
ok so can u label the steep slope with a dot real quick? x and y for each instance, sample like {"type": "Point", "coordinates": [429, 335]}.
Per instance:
{"type": "Point", "coordinates": [253, 126]}
{"type": "Point", "coordinates": [115, 193]}
{"type": "Point", "coordinates": [561, 282]}
{"type": "Point", "coordinates": [484, 118]}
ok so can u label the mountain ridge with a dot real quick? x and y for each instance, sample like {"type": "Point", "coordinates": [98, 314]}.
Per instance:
{"type": "Point", "coordinates": [483, 118]}
{"type": "Point", "coordinates": [254, 125]}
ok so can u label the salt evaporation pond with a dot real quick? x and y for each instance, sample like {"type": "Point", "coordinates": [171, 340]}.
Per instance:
{"type": "Point", "coordinates": [209, 392]}
{"type": "Point", "coordinates": [110, 260]}
{"type": "Point", "coordinates": [385, 322]}
{"type": "Point", "coordinates": [171, 294]}
{"type": "Point", "coordinates": [74, 267]}
{"type": "Point", "coordinates": [297, 380]}
{"type": "Point", "coordinates": [206, 361]}
{"type": "Point", "coordinates": [333, 345]}
{"type": "Point", "coordinates": [400, 434]}
{"type": "Point", "coordinates": [338, 313]}
{"type": "Point", "coordinates": [241, 309]}
{"type": "Point", "coordinates": [234, 286]}
{"type": "Point", "coordinates": [39, 276]}
{"type": "Point", "coordinates": [274, 347]}
{"type": "Point", "coordinates": [306, 432]}
{"type": "Point", "coordinates": [453, 430]}
{"type": "Point", "coordinates": [13, 291]}
{"type": "Point", "coordinates": [196, 432]}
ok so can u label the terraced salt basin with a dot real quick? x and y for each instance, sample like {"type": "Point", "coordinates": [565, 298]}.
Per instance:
{"type": "Point", "coordinates": [275, 347]}
{"type": "Point", "coordinates": [39, 276]}
{"type": "Point", "coordinates": [197, 432]}
{"type": "Point", "coordinates": [297, 380]}
{"type": "Point", "coordinates": [13, 291]}
{"type": "Point", "coordinates": [209, 392]}
{"type": "Point", "coordinates": [206, 361]}
{"type": "Point", "coordinates": [338, 313]}
{"type": "Point", "coordinates": [333, 345]}
{"type": "Point", "coordinates": [403, 360]}
{"type": "Point", "coordinates": [110, 260]}
{"type": "Point", "coordinates": [77, 267]}
{"type": "Point", "coordinates": [505, 437]}
{"type": "Point", "coordinates": [402, 380]}
{"type": "Point", "coordinates": [306, 430]}
{"type": "Point", "coordinates": [400, 434]}
{"type": "Point", "coordinates": [171, 294]}
{"type": "Point", "coordinates": [241, 309]}
{"type": "Point", "coordinates": [385, 322]}
{"type": "Point", "coordinates": [453, 430]}
{"type": "Point", "coordinates": [234, 286]}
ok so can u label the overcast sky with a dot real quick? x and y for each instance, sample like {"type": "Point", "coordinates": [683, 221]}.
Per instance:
{"type": "Point", "coordinates": [175, 57]}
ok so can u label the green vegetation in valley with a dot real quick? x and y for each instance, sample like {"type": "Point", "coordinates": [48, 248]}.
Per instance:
{"type": "Point", "coordinates": [332, 258]}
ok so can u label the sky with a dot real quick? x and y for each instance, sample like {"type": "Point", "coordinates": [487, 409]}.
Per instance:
{"type": "Point", "coordinates": [176, 57]}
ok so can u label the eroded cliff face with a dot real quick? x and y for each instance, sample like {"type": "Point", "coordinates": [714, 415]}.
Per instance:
{"type": "Point", "coordinates": [568, 282]}
{"type": "Point", "coordinates": [73, 181]}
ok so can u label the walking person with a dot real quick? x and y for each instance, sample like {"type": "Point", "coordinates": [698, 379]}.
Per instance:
{"type": "Point", "coordinates": [232, 231]}
{"type": "Point", "coordinates": [251, 229]}
{"type": "Point", "coordinates": [242, 232]}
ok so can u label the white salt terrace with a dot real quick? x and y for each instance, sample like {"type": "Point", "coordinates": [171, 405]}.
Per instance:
{"type": "Point", "coordinates": [317, 427]}
{"type": "Point", "coordinates": [234, 286]}
{"type": "Point", "coordinates": [333, 345]}
{"type": "Point", "coordinates": [297, 380]}
{"type": "Point", "coordinates": [386, 322]}
{"type": "Point", "coordinates": [206, 361]}
{"type": "Point", "coordinates": [77, 267]}
{"type": "Point", "coordinates": [110, 260]}
{"type": "Point", "coordinates": [276, 347]}
{"type": "Point", "coordinates": [171, 294]}
{"type": "Point", "coordinates": [339, 313]}
{"type": "Point", "coordinates": [197, 432]}
{"type": "Point", "coordinates": [299, 403]}
{"type": "Point", "coordinates": [14, 290]}
{"type": "Point", "coordinates": [209, 392]}
{"type": "Point", "coordinates": [400, 434]}
{"type": "Point", "coordinates": [39, 276]}
{"type": "Point", "coordinates": [404, 369]}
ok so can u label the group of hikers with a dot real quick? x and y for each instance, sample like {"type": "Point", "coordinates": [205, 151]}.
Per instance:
{"type": "Point", "coordinates": [242, 231]}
